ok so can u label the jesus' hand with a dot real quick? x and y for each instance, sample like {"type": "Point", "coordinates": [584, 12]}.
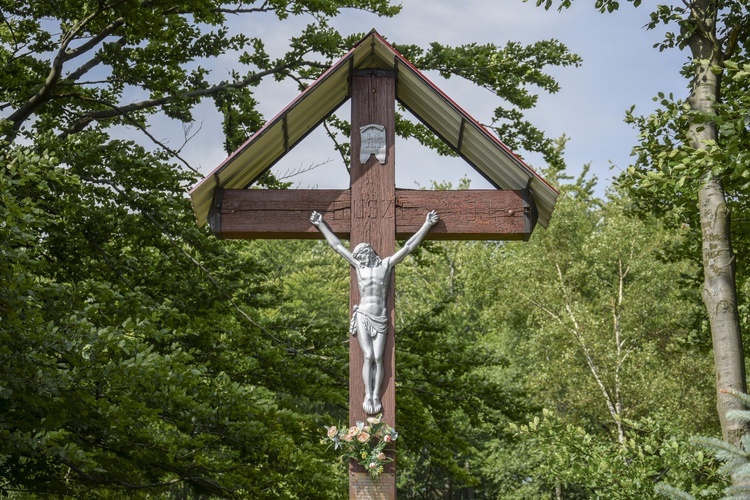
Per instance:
{"type": "Point", "coordinates": [316, 218]}
{"type": "Point", "coordinates": [432, 218]}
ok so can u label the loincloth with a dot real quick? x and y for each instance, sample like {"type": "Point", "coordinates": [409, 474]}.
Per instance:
{"type": "Point", "coordinates": [370, 323]}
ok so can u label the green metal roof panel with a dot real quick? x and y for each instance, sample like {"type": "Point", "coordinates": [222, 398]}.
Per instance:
{"type": "Point", "coordinates": [428, 108]}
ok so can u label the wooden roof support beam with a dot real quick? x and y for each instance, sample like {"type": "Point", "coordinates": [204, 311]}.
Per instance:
{"type": "Point", "coordinates": [285, 213]}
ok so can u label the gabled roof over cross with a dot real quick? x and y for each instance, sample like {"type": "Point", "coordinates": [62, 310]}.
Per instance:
{"type": "Point", "coordinates": [470, 140]}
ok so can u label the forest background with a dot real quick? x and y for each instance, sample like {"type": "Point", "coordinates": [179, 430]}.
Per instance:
{"type": "Point", "coordinates": [141, 357]}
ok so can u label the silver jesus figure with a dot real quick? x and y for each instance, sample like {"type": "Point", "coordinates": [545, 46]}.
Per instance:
{"type": "Point", "coordinates": [369, 321]}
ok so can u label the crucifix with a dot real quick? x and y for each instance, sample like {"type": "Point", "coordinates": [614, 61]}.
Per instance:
{"type": "Point", "coordinates": [372, 211]}
{"type": "Point", "coordinates": [370, 318]}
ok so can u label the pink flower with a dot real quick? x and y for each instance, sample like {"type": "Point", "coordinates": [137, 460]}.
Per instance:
{"type": "Point", "coordinates": [363, 437]}
{"type": "Point", "coordinates": [387, 438]}
{"type": "Point", "coordinates": [346, 437]}
{"type": "Point", "coordinates": [353, 431]}
{"type": "Point", "coordinates": [332, 430]}
{"type": "Point", "coordinates": [381, 456]}
{"type": "Point", "coordinates": [373, 465]}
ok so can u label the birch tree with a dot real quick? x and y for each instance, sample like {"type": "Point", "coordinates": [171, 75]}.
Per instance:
{"type": "Point", "coordinates": [603, 310]}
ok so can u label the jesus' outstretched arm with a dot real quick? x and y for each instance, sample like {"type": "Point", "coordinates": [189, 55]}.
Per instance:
{"type": "Point", "coordinates": [413, 242]}
{"type": "Point", "coordinates": [317, 220]}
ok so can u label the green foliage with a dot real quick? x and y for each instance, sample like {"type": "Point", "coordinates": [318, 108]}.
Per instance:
{"type": "Point", "coordinates": [668, 172]}
{"type": "Point", "coordinates": [735, 459]}
{"type": "Point", "coordinates": [696, 150]}
{"type": "Point", "coordinates": [672, 492]}
{"type": "Point", "coordinates": [154, 51]}
{"type": "Point", "coordinates": [581, 464]}
{"type": "Point", "coordinates": [668, 164]}
{"type": "Point", "coordinates": [596, 325]}
{"type": "Point", "coordinates": [449, 390]}
{"type": "Point", "coordinates": [669, 169]}
{"type": "Point", "coordinates": [124, 367]}
{"type": "Point", "coordinates": [605, 302]}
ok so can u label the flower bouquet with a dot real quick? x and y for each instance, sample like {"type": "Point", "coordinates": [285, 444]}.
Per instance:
{"type": "Point", "coordinates": [364, 443]}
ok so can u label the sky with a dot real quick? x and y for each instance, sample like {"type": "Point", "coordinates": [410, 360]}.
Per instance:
{"type": "Point", "coordinates": [620, 68]}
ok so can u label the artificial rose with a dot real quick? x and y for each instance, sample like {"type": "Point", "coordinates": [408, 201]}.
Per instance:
{"type": "Point", "coordinates": [363, 437]}
{"type": "Point", "coordinates": [332, 431]}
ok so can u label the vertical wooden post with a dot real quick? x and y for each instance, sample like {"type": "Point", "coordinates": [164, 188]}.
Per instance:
{"type": "Point", "coordinates": [373, 221]}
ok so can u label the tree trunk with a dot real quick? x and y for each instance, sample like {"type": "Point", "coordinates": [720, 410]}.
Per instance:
{"type": "Point", "coordinates": [719, 288]}
{"type": "Point", "coordinates": [719, 295]}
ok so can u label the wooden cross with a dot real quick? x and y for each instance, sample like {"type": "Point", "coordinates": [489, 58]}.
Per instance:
{"type": "Point", "coordinates": [375, 212]}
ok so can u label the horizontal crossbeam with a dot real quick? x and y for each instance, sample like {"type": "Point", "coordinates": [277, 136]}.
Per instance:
{"type": "Point", "coordinates": [285, 214]}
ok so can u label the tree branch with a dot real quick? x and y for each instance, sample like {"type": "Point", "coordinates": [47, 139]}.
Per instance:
{"type": "Point", "coordinates": [19, 116]}
{"type": "Point", "coordinates": [140, 126]}
{"type": "Point", "coordinates": [263, 8]}
{"type": "Point", "coordinates": [733, 37]}
{"type": "Point", "coordinates": [338, 146]}
{"type": "Point", "coordinates": [94, 41]}
{"type": "Point", "coordinates": [92, 63]}
{"type": "Point", "coordinates": [102, 480]}
{"type": "Point", "coordinates": [114, 111]}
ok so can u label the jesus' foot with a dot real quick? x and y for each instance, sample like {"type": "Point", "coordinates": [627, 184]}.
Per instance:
{"type": "Point", "coordinates": [368, 406]}
{"type": "Point", "coordinates": [376, 406]}
{"type": "Point", "coordinates": [372, 405]}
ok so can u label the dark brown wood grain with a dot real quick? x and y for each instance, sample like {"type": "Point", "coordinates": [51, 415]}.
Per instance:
{"type": "Point", "coordinates": [373, 103]}
{"type": "Point", "coordinates": [464, 215]}
{"type": "Point", "coordinates": [285, 213]}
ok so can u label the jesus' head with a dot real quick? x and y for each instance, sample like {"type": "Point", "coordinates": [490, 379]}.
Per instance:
{"type": "Point", "coordinates": [366, 255]}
